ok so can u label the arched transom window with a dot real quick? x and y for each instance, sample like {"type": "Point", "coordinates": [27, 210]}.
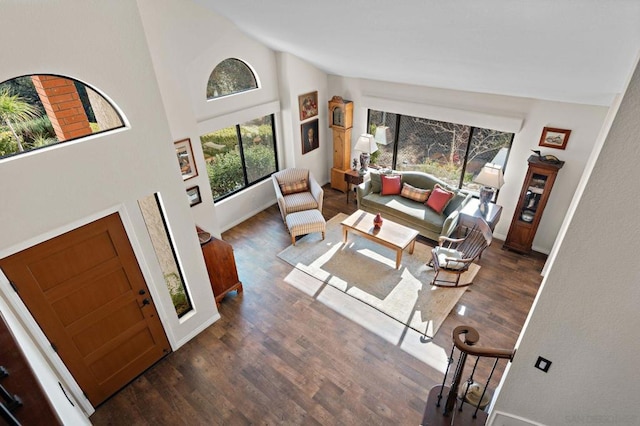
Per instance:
{"type": "Point", "coordinates": [230, 76]}
{"type": "Point", "coordinates": [41, 110]}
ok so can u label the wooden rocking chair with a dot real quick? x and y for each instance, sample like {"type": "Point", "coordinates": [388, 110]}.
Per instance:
{"type": "Point", "coordinates": [456, 255]}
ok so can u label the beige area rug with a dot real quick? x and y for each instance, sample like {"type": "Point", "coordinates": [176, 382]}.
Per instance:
{"type": "Point", "coordinates": [366, 270]}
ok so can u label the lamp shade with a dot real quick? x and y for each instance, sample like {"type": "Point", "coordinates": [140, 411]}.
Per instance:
{"type": "Point", "coordinates": [366, 143]}
{"type": "Point", "coordinates": [491, 176]}
{"type": "Point", "coordinates": [383, 135]}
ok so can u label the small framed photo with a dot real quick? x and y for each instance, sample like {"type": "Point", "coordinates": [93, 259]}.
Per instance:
{"type": "Point", "coordinates": [310, 137]}
{"type": "Point", "coordinates": [193, 194]}
{"type": "Point", "coordinates": [308, 105]}
{"type": "Point", "coordinates": [554, 138]}
{"type": "Point", "coordinates": [185, 159]}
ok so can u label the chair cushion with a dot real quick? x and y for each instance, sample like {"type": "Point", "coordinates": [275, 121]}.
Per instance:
{"type": "Point", "coordinates": [299, 201]}
{"type": "Point", "coordinates": [293, 187]}
{"type": "Point", "coordinates": [443, 253]}
{"type": "Point", "coordinates": [415, 194]}
{"type": "Point", "coordinates": [391, 185]}
{"type": "Point", "coordinates": [439, 198]}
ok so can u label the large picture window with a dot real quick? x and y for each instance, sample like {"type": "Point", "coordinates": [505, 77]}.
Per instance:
{"type": "Point", "coordinates": [452, 152]}
{"type": "Point", "coordinates": [240, 156]}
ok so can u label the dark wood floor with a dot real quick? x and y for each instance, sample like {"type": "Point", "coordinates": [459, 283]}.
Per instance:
{"type": "Point", "coordinates": [279, 356]}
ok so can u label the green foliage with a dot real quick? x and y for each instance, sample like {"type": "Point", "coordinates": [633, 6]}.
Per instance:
{"type": "Point", "coordinates": [225, 174]}
{"type": "Point", "coordinates": [261, 161]}
{"type": "Point", "coordinates": [230, 76]}
{"type": "Point", "coordinates": [178, 295]}
{"type": "Point", "coordinates": [8, 144]}
{"type": "Point", "coordinates": [32, 129]}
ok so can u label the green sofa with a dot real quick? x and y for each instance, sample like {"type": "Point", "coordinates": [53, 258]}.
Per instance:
{"type": "Point", "coordinates": [411, 213]}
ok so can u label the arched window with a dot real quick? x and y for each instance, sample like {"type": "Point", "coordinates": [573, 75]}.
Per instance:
{"type": "Point", "coordinates": [41, 110]}
{"type": "Point", "coordinates": [230, 76]}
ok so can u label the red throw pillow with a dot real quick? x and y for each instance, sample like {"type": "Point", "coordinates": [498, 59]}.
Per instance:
{"type": "Point", "coordinates": [391, 185]}
{"type": "Point", "coordinates": [439, 198]}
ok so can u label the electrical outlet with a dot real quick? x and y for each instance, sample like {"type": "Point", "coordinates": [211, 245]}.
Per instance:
{"type": "Point", "coordinates": [543, 364]}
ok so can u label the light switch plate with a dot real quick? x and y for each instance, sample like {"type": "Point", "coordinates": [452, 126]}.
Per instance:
{"type": "Point", "coordinates": [543, 364]}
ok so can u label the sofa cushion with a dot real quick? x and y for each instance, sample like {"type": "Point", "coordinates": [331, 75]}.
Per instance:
{"type": "Point", "coordinates": [391, 184]}
{"type": "Point", "coordinates": [294, 186]}
{"type": "Point", "coordinates": [376, 183]}
{"type": "Point", "coordinates": [408, 212]}
{"type": "Point", "coordinates": [439, 198]}
{"type": "Point", "coordinates": [299, 201]}
{"type": "Point", "coordinates": [447, 258]}
{"type": "Point", "coordinates": [415, 194]}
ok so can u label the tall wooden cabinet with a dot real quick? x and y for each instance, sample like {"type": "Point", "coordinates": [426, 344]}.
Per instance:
{"type": "Point", "coordinates": [533, 199]}
{"type": "Point", "coordinates": [221, 265]}
{"type": "Point", "coordinates": [341, 122]}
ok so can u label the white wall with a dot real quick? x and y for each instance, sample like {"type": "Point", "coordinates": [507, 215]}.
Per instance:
{"type": "Point", "coordinates": [59, 188]}
{"type": "Point", "coordinates": [585, 319]}
{"type": "Point", "coordinates": [299, 77]}
{"type": "Point", "coordinates": [583, 120]}
{"type": "Point", "coordinates": [186, 42]}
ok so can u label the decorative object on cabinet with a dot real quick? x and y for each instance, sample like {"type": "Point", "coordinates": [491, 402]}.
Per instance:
{"type": "Point", "coordinates": [194, 195]}
{"type": "Point", "coordinates": [534, 195]}
{"type": "Point", "coordinates": [185, 159]}
{"type": "Point", "coordinates": [366, 144]}
{"type": "Point", "coordinates": [491, 178]}
{"type": "Point", "coordinates": [221, 265]}
{"type": "Point", "coordinates": [308, 105]}
{"type": "Point", "coordinates": [554, 138]}
{"type": "Point", "coordinates": [310, 137]}
{"type": "Point", "coordinates": [341, 122]}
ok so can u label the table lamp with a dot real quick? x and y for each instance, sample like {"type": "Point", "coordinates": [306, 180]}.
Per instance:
{"type": "Point", "coordinates": [367, 145]}
{"type": "Point", "coordinates": [491, 178]}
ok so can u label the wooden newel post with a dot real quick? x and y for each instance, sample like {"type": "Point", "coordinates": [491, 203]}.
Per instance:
{"type": "Point", "coordinates": [471, 337]}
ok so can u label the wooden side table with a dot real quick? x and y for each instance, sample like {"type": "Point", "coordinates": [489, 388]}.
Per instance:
{"type": "Point", "coordinates": [352, 177]}
{"type": "Point", "coordinates": [471, 211]}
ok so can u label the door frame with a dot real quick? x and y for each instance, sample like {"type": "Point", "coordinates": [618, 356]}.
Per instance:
{"type": "Point", "coordinates": [30, 325]}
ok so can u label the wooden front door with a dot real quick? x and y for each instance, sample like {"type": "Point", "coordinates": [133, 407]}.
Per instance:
{"type": "Point", "coordinates": [87, 293]}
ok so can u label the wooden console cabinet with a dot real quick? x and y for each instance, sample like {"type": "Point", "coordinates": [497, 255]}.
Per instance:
{"type": "Point", "coordinates": [533, 198]}
{"type": "Point", "coordinates": [221, 265]}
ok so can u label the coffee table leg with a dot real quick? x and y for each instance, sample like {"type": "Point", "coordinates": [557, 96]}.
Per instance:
{"type": "Point", "coordinates": [345, 230]}
{"type": "Point", "coordinates": [398, 258]}
{"type": "Point", "coordinates": [412, 246]}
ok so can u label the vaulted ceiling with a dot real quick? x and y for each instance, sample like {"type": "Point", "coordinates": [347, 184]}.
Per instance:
{"type": "Point", "coordinates": [566, 50]}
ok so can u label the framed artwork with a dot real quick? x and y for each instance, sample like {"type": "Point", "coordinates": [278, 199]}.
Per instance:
{"type": "Point", "coordinates": [185, 159]}
{"type": "Point", "coordinates": [310, 137]}
{"type": "Point", "coordinates": [554, 138]}
{"type": "Point", "coordinates": [194, 195]}
{"type": "Point", "coordinates": [308, 105]}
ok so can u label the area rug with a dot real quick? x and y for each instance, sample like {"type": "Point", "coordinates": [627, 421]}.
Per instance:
{"type": "Point", "coordinates": [366, 271]}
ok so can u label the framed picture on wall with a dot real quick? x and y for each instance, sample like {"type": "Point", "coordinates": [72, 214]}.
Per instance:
{"type": "Point", "coordinates": [310, 136]}
{"type": "Point", "coordinates": [554, 138]}
{"type": "Point", "coordinates": [185, 159]}
{"type": "Point", "coordinates": [193, 194]}
{"type": "Point", "coordinates": [308, 105]}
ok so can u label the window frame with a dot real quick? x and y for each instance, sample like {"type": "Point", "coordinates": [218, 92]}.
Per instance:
{"type": "Point", "coordinates": [243, 162]}
{"type": "Point", "coordinates": [472, 129]}
{"type": "Point", "coordinates": [254, 75]}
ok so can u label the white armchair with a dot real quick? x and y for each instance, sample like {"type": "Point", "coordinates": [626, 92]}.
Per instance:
{"type": "Point", "coordinates": [297, 190]}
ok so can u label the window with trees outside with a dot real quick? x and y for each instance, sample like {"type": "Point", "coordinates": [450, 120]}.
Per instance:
{"type": "Point", "coordinates": [37, 111]}
{"type": "Point", "coordinates": [230, 76]}
{"type": "Point", "coordinates": [452, 152]}
{"type": "Point", "coordinates": [240, 156]}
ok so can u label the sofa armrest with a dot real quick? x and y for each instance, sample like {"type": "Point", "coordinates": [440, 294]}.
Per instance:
{"type": "Point", "coordinates": [279, 197]}
{"type": "Point", "coordinates": [316, 191]}
{"type": "Point", "coordinates": [363, 189]}
{"type": "Point", "coordinates": [450, 223]}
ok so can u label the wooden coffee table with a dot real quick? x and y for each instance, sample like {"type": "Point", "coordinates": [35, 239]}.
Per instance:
{"type": "Point", "coordinates": [392, 235]}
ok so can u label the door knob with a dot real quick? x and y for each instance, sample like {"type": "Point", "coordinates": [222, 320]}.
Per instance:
{"type": "Point", "coordinates": [146, 301]}
{"type": "Point", "coordinates": [142, 292]}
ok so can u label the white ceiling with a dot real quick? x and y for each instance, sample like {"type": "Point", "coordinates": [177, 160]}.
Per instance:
{"type": "Point", "coordinates": [567, 50]}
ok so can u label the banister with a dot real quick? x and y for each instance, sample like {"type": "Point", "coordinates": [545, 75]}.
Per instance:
{"type": "Point", "coordinates": [471, 337]}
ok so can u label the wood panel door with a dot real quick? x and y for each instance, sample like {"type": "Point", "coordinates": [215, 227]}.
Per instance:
{"type": "Point", "coordinates": [87, 293]}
